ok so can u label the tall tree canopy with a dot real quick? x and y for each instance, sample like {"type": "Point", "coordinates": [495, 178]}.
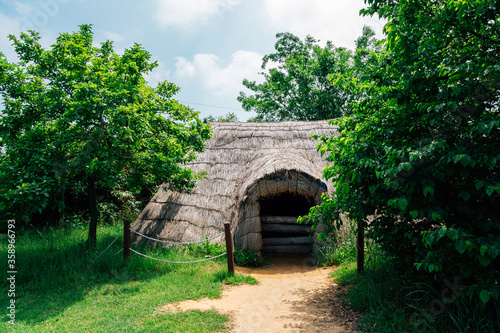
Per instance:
{"type": "Point", "coordinates": [77, 111]}
{"type": "Point", "coordinates": [421, 150]}
{"type": "Point", "coordinates": [297, 85]}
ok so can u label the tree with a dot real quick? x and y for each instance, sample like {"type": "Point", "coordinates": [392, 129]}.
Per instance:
{"type": "Point", "coordinates": [298, 86]}
{"type": "Point", "coordinates": [77, 111]}
{"type": "Point", "coordinates": [229, 117]}
{"type": "Point", "coordinates": [420, 151]}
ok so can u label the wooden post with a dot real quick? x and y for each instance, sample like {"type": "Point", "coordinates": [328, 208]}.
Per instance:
{"type": "Point", "coordinates": [229, 248]}
{"type": "Point", "coordinates": [126, 239]}
{"type": "Point", "coordinates": [360, 247]}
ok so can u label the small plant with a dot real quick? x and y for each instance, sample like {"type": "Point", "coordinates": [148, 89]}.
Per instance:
{"type": "Point", "coordinates": [338, 246]}
{"type": "Point", "coordinates": [234, 279]}
{"type": "Point", "coordinates": [207, 249]}
{"type": "Point", "coordinates": [247, 258]}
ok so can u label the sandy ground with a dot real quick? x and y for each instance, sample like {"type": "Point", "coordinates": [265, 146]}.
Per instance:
{"type": "Point", "coordinates": [292, 296]}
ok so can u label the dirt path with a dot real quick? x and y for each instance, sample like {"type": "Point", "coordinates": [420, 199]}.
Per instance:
{"type": "Point", "coordinates": [292, 296]}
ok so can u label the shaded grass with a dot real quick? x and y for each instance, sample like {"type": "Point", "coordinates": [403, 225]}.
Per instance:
{"type": "Point", "coordinates": [393, 303]}
{"type": "Point", "coordinates": [61, 286]}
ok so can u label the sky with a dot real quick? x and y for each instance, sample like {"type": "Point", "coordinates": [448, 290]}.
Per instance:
{"type": "Point", "coordinates": [206, 47]}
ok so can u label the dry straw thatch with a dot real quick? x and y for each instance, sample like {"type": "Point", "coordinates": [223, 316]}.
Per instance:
{"type": "Point", "coordinates": [245, 162]}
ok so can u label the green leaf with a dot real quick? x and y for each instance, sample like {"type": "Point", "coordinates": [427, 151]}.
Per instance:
{"type": "Point", "coordinates": [483, 250]}
{"type": "Point", "coordinates": [464, 195]}
{"type": "Point", "coordinates": [414, 214]}
{"type": "Point", "coordinates": [479, 184]}
{"type": "Point", "coordinates": [484, 260]}
{"type": "Point", "coordinates": [464, 159]}
{"type": "Point", "coordinates": [406, 166]}
{"type": "Point", "coordinates": [441, 232]}
{"type": "Point", "coordinates": [435, 216]}
{"type": "Point", "coordinates": [402, 203]}
{"type": "Point", "coordinates": [485, 296]}
{"type": "Point", "coordinates": [492, 252]}
{"type": "Point", "coordinates": [490, 190]}
{"type": "Point", "coordinates": [460, 246]}
{"type": "Point", "coordinates": [428, 190]}
{"type": "Point", "coordinates": [429, 238]}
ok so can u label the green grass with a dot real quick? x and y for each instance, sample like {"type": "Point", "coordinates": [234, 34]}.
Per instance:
{"type": "Point", "coordinates": [62, 287]}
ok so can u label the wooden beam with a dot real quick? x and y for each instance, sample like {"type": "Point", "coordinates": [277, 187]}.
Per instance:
{"type": "Point", "coordinates": [280, 220]}
{"type": "Point", "coordinates": [287, 249]}
{"type": "Point", "coordinates": [126, 239]}
{"type": "Point", "coordinates": [229, 248]}
{"type": "Point", "coordinates": [286, 228]}
{"type": "Point", "coordinates": [287, 241]}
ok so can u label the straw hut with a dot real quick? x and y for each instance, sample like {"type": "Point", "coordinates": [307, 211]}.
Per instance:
{"type": "Point", "coordinates": [260, 178]}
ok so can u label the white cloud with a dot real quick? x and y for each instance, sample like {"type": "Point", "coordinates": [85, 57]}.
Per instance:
{"type": "Point", "coordinates": [112, 36]}
{"type": "Point", "coordinates": [335, 20]}
{"type": "Point", "coordinates": [187, 14]}
{"type": "Point", "coordinates": [216, 77]}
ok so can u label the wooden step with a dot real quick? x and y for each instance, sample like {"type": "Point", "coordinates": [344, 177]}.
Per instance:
{"type": "Point", "coordinates": [281, 220]}
{"type": "Point", "coordinates": [287, 241]}
{"type": "Point", "coordinates": [286, 249]}
{"type": "Point", "coordinates": [286, 228]}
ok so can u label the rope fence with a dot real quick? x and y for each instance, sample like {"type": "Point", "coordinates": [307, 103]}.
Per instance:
{"type": "Point", "coordinates": [127, 246]}
{"type": "Point", "coordinates": [109, 247]}
{"type": "Point", "coordinates": [176, 243]}
{"type": "Point", "coordinates": [178, 262]}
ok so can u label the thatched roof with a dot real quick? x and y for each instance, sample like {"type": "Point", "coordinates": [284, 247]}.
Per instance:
{"type": "Point", "coordinates": [242, 159]}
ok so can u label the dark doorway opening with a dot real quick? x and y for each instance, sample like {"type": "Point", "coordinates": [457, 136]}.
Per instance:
{"type": "Point", "coordinates": [286, 204]}
{"type": "Point", "coordinates": [280, 231]}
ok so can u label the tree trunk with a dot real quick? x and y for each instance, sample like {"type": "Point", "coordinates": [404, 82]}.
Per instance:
{"type": "Point", "coordinates": [360, 246]}
{"type": "Point", "coordinates": [94, 213]}
{"type": "Point", "coordinates": [63, 208]}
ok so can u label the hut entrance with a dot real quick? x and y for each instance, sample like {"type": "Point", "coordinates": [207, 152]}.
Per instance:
{"type": "Point", "coordinates": [280, 231]}
{"type": "Point", "coordinates": [267, 221]}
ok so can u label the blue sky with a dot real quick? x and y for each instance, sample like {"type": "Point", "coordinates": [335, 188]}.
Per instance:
{"type": "Point", "coordinates": [206, 47]}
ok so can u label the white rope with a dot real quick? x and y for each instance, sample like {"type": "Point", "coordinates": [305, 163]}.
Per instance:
{"type": "Point", "coordinates": [176, 243]}
{"type": "Point", "coordinates": [108, 246]}
{"type": "Point", "coordinates": [178, 262]}
{"type": "Point", "coordinates": [117, 252]}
